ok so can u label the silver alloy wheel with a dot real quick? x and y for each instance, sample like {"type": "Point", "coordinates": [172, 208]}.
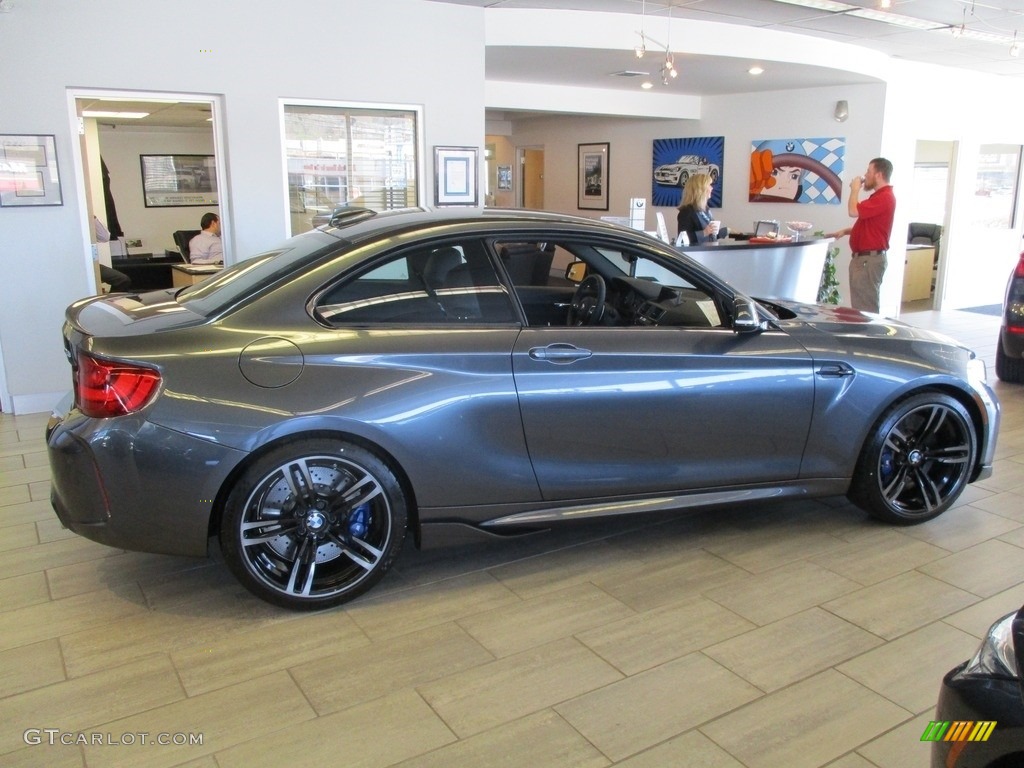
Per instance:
{"type": "Point", "coordinates": [315, 529]}
{"type": "Point", "coordinates": [917, 459]}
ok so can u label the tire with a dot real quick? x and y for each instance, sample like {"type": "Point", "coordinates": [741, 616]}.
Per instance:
{"type": "Point", "coordinates": [313, 524]}
{"type": "Point", "coordinates": [684, 176]}
{"type": "Point", "coordinates": [1008, 369]}
{"type": "Point", "coordinates": [916, 461]}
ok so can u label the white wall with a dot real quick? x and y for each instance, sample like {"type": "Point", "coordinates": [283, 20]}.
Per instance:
{"type": "Point", "coordinates": [247, 54]}
{"type": "Point", "coordinates": [120, 148]}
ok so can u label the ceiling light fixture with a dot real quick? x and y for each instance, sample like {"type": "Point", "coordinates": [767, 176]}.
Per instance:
{"type": "Point", "coordinates": [668, 69]}
{"type": "Point", "coordinates": [895, 19]}
{"type": "Point", "coordinates": [641, 49]}
{"type": "Point", "coordinates": [885, 4]}
{"type": "Point", "coordinates": [756, 70]}
{"type": "Point", "coordinates": [958, 32]}
{"type": "Point", "coordinates": [822, 5]}
{"type": "Point", "coordinates": [110, 114]}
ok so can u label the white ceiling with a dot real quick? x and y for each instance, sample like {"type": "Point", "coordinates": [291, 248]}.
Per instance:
{"type": "Point", "coordinates": [702, 75]}
{"type": "Point", "coordinates": [997, 20]}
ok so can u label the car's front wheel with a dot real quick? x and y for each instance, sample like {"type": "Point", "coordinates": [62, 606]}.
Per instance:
{"type": "Point", "coordinates": [916, 461]}
{"type": "Point", "coordinates": [313, 523]}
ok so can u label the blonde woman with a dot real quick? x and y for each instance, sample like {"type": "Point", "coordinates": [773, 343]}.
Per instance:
{"type": "Point", "coordinates": [693, 217]}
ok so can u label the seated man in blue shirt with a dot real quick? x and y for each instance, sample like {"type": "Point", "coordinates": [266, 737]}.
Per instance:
{"type": "Point", "coordinates": [206, 247]}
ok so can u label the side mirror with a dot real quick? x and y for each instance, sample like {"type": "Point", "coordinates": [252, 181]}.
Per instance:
{"type": "Point", "coordinates": [745, 317]}
{"type": "Point", "coordinates": [576, 272]}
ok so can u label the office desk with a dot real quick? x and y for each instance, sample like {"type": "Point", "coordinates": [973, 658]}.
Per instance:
{"type": "Point", "coordinates": [146, 271]}
{"type": "Point", "coordinates": [917, 272]}
{"type": "Point", "coordinates": [190, 274]}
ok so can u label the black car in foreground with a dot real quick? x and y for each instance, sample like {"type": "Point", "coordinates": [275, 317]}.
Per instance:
{"type": "Point", "coordinates": [429, 372]}
{"type": "Point", "coordinates": [979, 721]}
{"type": "Point", "coordinates": [1010, 350]}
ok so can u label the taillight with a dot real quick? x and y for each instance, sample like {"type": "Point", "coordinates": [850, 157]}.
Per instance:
{"type": "Point", "coordinates": [1019, 271]}
{"type": "Point", "coordinates": [105, 388]}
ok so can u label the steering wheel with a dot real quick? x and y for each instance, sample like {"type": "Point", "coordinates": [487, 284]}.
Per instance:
{"type": "Point", "coordinates": [587, 307]}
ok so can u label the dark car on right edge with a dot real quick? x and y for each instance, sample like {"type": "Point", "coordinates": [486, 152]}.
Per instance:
{"type": "Point", "coordinates": [979, 720]}
{"type": "Point", "coordinates": [1010, 350]}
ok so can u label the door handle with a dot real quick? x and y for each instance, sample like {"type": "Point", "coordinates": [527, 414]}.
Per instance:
{"type": "Point", "coordinates": [559, 353]}
{"type": "Point", "coordinates": [835, 370]}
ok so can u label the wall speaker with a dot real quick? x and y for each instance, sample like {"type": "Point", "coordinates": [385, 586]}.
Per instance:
{"type": "Point", "coordinates": [842, 111]}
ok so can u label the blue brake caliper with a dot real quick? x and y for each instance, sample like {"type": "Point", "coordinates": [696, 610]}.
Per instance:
{"type": "Point", "coordinates": [359, 520]}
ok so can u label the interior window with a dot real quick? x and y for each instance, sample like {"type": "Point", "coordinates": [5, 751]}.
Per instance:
{"type": "Point", "coordinates": [440, 283]}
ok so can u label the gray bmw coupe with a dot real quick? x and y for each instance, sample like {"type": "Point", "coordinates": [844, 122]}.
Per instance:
{"type": "Point", "coordinates": [414, 372]}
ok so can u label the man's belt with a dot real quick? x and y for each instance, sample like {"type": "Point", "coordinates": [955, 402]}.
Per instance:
{"type": "Point", "coordinates": [869, 253]}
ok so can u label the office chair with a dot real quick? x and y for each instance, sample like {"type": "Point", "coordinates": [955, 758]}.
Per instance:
{"type": "Point", "coordinates": [182, 238]}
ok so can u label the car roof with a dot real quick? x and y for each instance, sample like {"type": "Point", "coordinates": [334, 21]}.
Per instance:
{"type": "Point", "coordinates": [357, 228]}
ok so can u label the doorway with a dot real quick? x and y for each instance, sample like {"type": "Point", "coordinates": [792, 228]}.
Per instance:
{"type": "Point", "coordinates": [929, 217]}
{"type": "Point", "coordinates": [531, 164]}
{"type": "Point", "coordinates": [147, 165]}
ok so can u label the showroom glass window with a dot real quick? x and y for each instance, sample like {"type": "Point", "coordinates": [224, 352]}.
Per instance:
{"type": "Point", "coordinates": [349, 155]}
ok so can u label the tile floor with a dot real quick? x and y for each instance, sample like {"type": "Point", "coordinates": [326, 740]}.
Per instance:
{"type": "Point", "coordinates": [799, 634]}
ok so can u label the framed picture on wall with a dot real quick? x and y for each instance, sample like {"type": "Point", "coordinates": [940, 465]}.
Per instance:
{"type": "Point", "coordinates": [504, 177]}
{"type": "Point", "coordinates": [178, 180]}
{"type": "Point", "coordinates": [28, 171]}
{"type": "Point", "coordinates": [799, 170]}
{"type": "Point", "coordinates": [592, 176]}
{"type": "Point", "coordinates": [455, 175]}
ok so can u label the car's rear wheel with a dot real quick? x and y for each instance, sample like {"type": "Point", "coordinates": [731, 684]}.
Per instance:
{"type": "Point", "coordinates": [313, 523]}
{"type": "Point", "coordinates": [916, 461]}
{"type": "Point", "coordinates": [1008, 368]}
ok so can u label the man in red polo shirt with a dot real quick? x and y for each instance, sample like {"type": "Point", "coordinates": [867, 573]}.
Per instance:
{"type": "Point", "coordinates": [869, 235]}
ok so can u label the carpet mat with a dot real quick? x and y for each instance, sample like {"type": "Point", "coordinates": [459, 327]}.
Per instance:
{"type": "Point", "coordinates": [988, 309]}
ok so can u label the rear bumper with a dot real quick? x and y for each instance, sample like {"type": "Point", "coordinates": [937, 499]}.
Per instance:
{"type": "Point", "coordinates": [133, 485]}
{"type": "Point", "coordinates": [1012, 343]}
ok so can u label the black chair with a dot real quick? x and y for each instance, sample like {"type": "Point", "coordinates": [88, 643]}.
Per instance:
{"type": "Point", "coordinates": [182, 238]}
{"type": "Point", "coordinates": [924, 234]}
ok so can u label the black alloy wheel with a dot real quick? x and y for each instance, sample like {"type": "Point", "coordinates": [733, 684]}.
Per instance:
{"type": "Point", "coordinates": [313, 524]}
{"type": "Point", "coordinates": [917, 461]}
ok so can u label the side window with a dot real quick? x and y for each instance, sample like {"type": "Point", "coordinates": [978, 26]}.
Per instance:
{"type": "Point", "coordinates": [440, 284]}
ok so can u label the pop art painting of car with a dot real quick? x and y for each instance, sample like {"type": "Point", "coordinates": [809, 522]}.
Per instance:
{"type": "Point", "coordinates": [676, 174]}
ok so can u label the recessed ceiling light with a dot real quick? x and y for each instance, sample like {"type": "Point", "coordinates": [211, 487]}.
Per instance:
{"type": "Point", "coordinates": [646, 85]}
{"type": "Point", "coordinates": [123, 115]}
{"type": "Point", "coordinates": [755, 70]}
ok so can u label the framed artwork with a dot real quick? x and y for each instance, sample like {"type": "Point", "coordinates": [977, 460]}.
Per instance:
{"type": "Point", "coordinates": [803, 171]}
{"type": "Point", "coordinates": [28, 171]}
{"type": "Point", "coordinates": [592, 176]}
{"type": "Point", "coordinates": [674, 161]}
{"type": "Point", "coordinates": [504, 177]}
{"type": "Point", "coordinates": [178, 180]}
{"type": "Point", "coordinates": [455, 176]}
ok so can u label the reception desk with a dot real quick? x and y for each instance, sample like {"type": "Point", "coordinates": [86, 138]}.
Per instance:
{"type": "Point", "coordinates": [788, 270]}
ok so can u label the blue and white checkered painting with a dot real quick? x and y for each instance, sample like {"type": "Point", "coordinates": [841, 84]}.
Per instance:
{"type": "Point", "coordinates": [822, 163]}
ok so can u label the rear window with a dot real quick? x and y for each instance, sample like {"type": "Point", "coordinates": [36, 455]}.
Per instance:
{"type": "Point", "coordinates": [232, 285]}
